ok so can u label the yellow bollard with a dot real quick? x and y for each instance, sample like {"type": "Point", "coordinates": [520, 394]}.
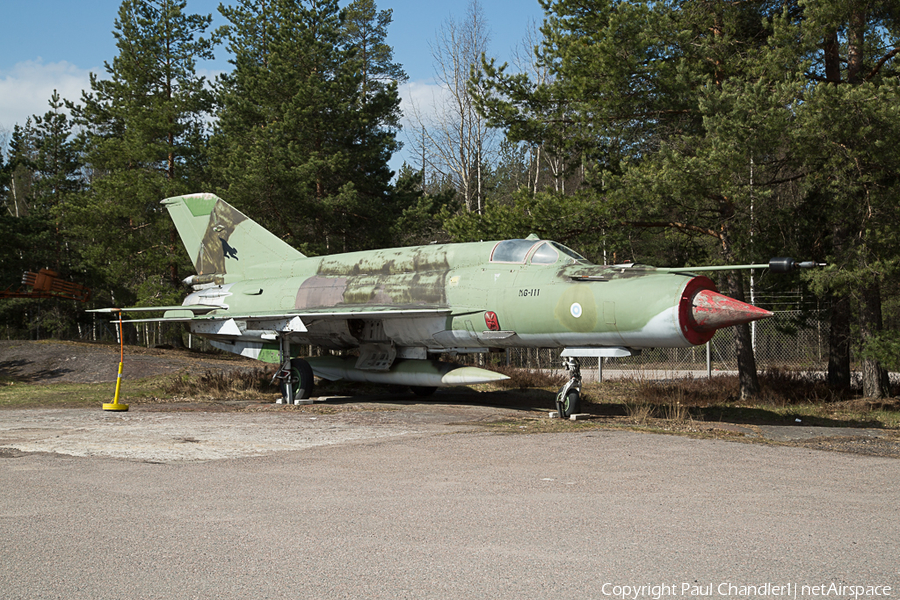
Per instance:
{"type": "Point", "coordinates": [115, 403]}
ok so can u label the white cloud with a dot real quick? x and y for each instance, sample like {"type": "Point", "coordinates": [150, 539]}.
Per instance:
{"type": "Point", "coordinates": [25, 90]}
{"type": "Point", "coordinates": [420, 100]}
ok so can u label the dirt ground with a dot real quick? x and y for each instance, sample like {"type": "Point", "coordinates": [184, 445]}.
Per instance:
{"type": "Point", "coordinates": [175, 431]}
{"type": "Point", "coordinates": [45, 362]}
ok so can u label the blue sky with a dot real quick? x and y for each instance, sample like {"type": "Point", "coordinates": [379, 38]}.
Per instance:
{"type": "Point", "coordinates": [54, 44]}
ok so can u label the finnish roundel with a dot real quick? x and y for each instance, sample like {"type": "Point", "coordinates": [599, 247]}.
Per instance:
{"type": "Point", "coordinates": [575, 309]}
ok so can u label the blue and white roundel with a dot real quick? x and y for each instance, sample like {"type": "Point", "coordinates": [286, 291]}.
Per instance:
{"type": "Point", "coordinates": [575, 309]}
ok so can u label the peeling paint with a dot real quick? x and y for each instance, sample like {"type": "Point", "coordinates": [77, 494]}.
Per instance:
{"type": "Point", "coordinates": [462, 300]}
{"type": "Point", "coordinates": [215, 248]}
{"type": "Point", "coordinates": [317, 292]}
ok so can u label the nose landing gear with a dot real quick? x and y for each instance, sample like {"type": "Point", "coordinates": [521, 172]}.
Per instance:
{"type": "Point", "coordinates": [568, 400]}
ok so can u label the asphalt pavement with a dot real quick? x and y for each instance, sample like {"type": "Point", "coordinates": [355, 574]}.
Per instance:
{"type": "Point", "coordinates": [455, 513]}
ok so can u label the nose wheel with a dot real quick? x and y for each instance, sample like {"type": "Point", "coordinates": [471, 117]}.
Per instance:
{"type": "Point", "coordinates": [568, 400]}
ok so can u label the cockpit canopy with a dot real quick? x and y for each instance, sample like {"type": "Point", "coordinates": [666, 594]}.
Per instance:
{"type": "Point", "coordinates": [536, 252]}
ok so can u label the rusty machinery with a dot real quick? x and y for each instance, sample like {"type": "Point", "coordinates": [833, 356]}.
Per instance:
{"type": "Point", "coordinates": [47, 284]}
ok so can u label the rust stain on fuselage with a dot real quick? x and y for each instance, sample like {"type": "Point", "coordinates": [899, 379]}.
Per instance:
{"type": "Point", "coordinates": [414, 276]}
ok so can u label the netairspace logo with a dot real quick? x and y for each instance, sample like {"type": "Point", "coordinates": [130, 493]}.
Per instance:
{"type": "Point", "coordinates": [733, 590]}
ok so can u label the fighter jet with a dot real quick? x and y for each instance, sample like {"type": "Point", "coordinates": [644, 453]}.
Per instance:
{"type": "Point", "coordinates": [401, 309]}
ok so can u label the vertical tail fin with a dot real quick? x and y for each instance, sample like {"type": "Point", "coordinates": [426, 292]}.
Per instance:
{"type": "Point", "coordinates": [221, 240]}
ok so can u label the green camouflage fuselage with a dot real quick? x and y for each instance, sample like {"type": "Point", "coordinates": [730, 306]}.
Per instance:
{"type": "Point", "coordinates": [401, 307]}
{"type": "Point", "coordinates": [252, 289]}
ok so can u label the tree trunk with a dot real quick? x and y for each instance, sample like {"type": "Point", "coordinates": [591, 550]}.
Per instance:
{"type": "Point", "coordinates": [855, 39]}
{"type": "Point", "coordinates": [174, 334]}
{"type": "Point", "coordinates": [832, 53]}
{"type": "Point", "coordinates": [874, 376]}
{"type": "Point", "coordinates": [743, 342]}
{"type": "Point", "coordinates": [839, 343]}
{"type": "Point", "coordinates": [743, 345]}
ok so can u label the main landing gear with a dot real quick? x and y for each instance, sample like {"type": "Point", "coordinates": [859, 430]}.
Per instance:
{"type": "Point", "coordinates": [295, 377]}
{"type": "Point", "coordinates": [568, 400]}
{"type": "Point", "coordinates": [295, 380]}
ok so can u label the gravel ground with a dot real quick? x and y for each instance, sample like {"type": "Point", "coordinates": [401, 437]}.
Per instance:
{"type": "Point", "coordinates": [466, 515]}
{"type": "Point", "coordinates": [144, 434]}
{"type": "Point", "coordinates": [413, 499]}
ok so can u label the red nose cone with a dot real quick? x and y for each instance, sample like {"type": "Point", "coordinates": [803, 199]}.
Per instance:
{"type": "Point", "coordinates": [711, 310]}
{"type": "Point", "coordinates": [703, 310]}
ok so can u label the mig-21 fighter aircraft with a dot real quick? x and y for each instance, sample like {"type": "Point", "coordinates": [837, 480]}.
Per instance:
{"type": "Point", "coordinates": [401, 308]}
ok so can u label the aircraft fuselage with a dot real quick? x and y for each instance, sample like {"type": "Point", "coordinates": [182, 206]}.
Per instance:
{"type": "Point", "coordinates": [514, 293]}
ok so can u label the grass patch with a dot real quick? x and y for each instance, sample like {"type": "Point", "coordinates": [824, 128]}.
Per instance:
{"type": "Point", "coordinates": [528, 378]}
{"type": "Point", "coordinates": [540, 425]}
{"type": "Point", "coordinates": [787, 398]}
{"type": "Point", "coordinates": [78, 395]}
{"type": "Point", "coordinates": [779, 388]}
{"type": "Point", "coordinates": [249, 384]}
{"type": "Point", "coordinates": [253, 384]}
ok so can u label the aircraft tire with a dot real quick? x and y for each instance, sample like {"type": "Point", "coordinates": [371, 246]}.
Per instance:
{"type": "Point", "coordinates": [571, 404]}
{"type": "Point", "coordinates": [423, 390]}
{"type": "Point", "coordinates": [301, 380]}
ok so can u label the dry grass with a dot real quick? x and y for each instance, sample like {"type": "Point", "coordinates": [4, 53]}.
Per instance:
{"type": "Point", "coordinates": [786, 388]}
{"type": "Point", "coordinates": [779, 388]}
{"type": "Point", "coordinates": [785, 397]}
{"type": "Point", "coordinates": [528, 378]}
{"type": "Point", "coordinates": [652, 401]}
{"type": "Point", "coordinates": [681, 402]}
{"type": "Point", "coordinates": [238, 384]}
{"type": "Point", "coordinates": [687, 391]}
{"type": "Point", "coordinates": [639, 412]}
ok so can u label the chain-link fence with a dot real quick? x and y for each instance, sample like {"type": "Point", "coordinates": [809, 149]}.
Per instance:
{"type": "Point", "coordinates": [794, 340]}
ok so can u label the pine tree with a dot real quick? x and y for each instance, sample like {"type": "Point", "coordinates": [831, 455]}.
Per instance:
{"type": "Point", "coordinates": [753, 125]}
{"type": "Point", "coordinates": [43, 175]}
{"type": "Point", "coordinates": [631, 101]}
{"type": "Point", "coordinates": [365, 30]}
{"type": "Point", "coordinates": [20, 170]}
{"type": "Point", "coordinates": [846, 120]}
{"type": "Point", "coordinates": [143, 140]}
{"type": "Point", "coordinates": [57, 170]}
{"type": "Point", "coordinates": [305, 129]}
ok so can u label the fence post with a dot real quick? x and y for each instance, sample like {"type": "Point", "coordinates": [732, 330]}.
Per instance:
{"type": "Point", "coordinates": [708, 360]}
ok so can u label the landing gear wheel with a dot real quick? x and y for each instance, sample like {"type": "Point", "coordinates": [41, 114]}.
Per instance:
{"type": "Point", "coordinates": [569, 405]}
{"type": "Point", "coordinates": [568, 400]}
{"type": "Point", "coordinates": [423, 390]}
{"type": "Point", "coordinates": [301, 376]}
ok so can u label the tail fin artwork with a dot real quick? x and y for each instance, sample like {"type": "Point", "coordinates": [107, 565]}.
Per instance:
{"type": "Point", "coordinates": [221, 240]}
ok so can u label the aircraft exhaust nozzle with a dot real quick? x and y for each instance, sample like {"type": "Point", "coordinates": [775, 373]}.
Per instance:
{"type": "Point", "coordinates": [711, 311]}
{"type": "Point", "coordinates": [703, 311]}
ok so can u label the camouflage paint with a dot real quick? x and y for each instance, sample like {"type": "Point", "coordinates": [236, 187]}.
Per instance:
{"type": "Point", "coordinates": [431, 298]}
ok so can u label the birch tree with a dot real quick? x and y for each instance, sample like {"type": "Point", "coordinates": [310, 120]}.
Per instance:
{"type": "Point", "coordinates": [456, 141]}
